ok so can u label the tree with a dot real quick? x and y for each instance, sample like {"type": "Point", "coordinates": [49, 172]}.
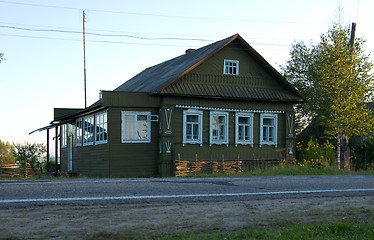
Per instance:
{"type": "Point", "coordinates": [30, 153]}
{"type": "Point", "coordinates": [2, 57]}
{"type": "Point", "coordinates": [335, 78]}
{"type": "Point", "coordinates": [6, 153]}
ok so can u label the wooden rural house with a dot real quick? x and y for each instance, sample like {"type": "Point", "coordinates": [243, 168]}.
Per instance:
{"type": "Point", "coordinates": [222, 102]}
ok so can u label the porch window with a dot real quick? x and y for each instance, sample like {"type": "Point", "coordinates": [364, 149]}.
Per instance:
{"type": "Point", "coordinates": [63, 133]}
{"type": "Point", "coordinates": [101, 128]}
{"type": "Point", "coordinates": [268, 129]}
{"type": "Point", "coordinates": [78, 132]}
{"type": "Point", "coordinates": [231, 67]}
{"type": "Point", "coordinates": [136, 127]}
{"type": "Point", "coordinates": [192, 127]}
{"type": "Point", "coordinates": [219, 128]}
{"type": "Point", "coordinates": [244, 129]}
{"type": "Point", "coordinates": [88, 131]}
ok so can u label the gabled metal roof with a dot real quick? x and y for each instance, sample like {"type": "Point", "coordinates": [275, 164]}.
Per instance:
{"type": "Point", "coordinates": [156, 78]}
{"type": "Point", "coordinates": [160, 78]}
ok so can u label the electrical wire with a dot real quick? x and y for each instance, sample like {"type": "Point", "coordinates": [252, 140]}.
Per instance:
{"type": "Point", "coordinates": [114, 35]}
{"type": "Point", "coordinates": [104, 35]}
{"type": "Point", "coordinates": [160, 15]}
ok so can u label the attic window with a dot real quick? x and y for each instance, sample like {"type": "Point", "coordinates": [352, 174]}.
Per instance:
{"type": "Point", "coordinates": [231, 67]}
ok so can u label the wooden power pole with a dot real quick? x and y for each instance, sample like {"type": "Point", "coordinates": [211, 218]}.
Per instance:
{"type": "Point", "coordinates": [84, 58]}
{"type": "Point", "coordinates": [353, 35]}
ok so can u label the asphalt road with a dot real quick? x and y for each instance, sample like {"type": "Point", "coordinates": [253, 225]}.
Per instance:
{"type": "Point", "coordinates": [102, 191]}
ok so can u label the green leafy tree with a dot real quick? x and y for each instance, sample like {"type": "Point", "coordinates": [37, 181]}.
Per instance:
{"type": "Point", "coordinates": [30, 153]}
{"type": "Point", "coordinates": [336, 79]}
{"type": "Point", "coordinates": [6, 153]}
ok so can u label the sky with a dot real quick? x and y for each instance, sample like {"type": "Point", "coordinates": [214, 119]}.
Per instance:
{"type": "Point", "coordinates": [43, 44]}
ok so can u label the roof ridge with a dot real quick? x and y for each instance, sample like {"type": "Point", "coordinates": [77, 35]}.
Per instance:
{"type": "Point", "coordinates": [157, 77]}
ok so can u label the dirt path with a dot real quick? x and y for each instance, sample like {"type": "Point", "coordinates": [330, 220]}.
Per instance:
{"type": "Point", "coordinates": [73, 221]}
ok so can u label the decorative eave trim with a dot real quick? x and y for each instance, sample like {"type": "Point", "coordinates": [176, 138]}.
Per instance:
{"type": "Point", "coordinates": [227, 109]}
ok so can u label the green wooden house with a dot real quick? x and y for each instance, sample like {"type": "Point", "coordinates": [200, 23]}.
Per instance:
{"type": "Point", "coordinates": [222, 103]}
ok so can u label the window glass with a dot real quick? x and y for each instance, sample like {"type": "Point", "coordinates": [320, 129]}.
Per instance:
{"type": "Point", "coordinates": [136, 127]}
{"type": "Point", "coordinates": [88, 130]}
{"type": "Point", "coordinates": [63, 135]}
{"type": "Point", "coordinates": [219, 128]}
{"type": "Point", "coordinates": [142, 127]}
{"type": "Point", "coordinates": [231, 67]}
{"type": "Point", "coordinates": [78, 132]}
{"type": "Point", "coordinates": [192, 126]}
{"type": "Point", "coordinates": [244, 128]}
{"type": "Point", "coordinates": [101, 128]}
{"type": "Point", "coordinates": [268, 129]}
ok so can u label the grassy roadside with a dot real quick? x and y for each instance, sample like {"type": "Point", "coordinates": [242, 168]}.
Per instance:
{"type": "Point", "coordinates": [290, 170]}
{"type": "Point", "coordinates": [340, 230]}
{"type": "Point", "coordinates": [282, 170]}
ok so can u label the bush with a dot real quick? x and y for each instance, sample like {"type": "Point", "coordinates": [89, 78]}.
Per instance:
{"type": "Point", "coordinates": [29, 153]}
{"type": "Point", "coordinates": [363, 154]}
{"type": "Point", "coordinates": [314, 154]}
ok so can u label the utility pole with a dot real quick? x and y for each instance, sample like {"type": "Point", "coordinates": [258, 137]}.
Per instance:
{"type": "Point", "coordinates": [84, 58]}
{"type": "Point", "coordinates": [353, 34]}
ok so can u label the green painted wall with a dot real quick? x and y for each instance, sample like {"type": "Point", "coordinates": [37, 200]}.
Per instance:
{"type": "Point", "coordinates": [131, 159]}
{"type": "Point", "coordinates": [92, 161]}
{"type": "Point", "coordinates": [219, 152]}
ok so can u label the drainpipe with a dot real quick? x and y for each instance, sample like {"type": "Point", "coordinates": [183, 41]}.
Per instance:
{"type": "Point", "coordinates": [56, 149]}
{"type": "Point", "coordinates": [47, 150]}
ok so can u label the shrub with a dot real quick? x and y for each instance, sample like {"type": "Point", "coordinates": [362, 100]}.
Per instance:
{"type": "Point", "coordinates": [314, 154]}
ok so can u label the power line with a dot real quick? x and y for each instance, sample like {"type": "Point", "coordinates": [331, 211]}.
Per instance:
{"type": "Point", "coordinates": [211, 37]}
{"type": "Point", "coordinates": [105, 30]}
{"type": "Point", "coordinates": [160, 15]}
{"type": "Point", "coordinates": [137, 43]}
{"type": "Point", "coordinates": [104, 35]}
{"type": "Point", "coordinates": [117, 35]}
{"type": "Point", "coordinates": [97, 41]}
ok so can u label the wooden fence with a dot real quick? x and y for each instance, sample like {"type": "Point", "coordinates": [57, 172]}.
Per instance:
{"type": "Point", "coordinates": [194, 167]}
{"type": "Point", "coordinates": [16, 170]}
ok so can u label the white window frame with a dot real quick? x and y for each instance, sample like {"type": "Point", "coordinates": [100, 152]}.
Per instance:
{"type": "Point", "coordinates": [228, 70]}
{"type": "Point", "coordinates": [101, 128]}
{"type": "Point", "coordinates": [238, 125]}
{"type": "Point", "coordinates": [63, 135]}
{"type": "Point", "coordinates": [199, 139]}
{"type": "Point", "coordinates": [79, 132]}
{"type": "Point", "coordinates": [224, 141]}
{"type": "Point", "coordinates": [275, 129]}
{"type": "Point", "coordinates": [88, 136]}
{"type": "Point", "coordinates": [134, 113]}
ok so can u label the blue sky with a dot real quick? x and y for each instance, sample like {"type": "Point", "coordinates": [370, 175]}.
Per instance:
{"type": "Point", "coordinates": [43, 46]}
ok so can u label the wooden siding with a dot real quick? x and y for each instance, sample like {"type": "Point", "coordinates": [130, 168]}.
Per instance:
{"type": "Point", "coordinates": [64, 160]}
{"type": "Point", "coordinates": [131, 159]}
{"type": "Point", "coordinates": [129, 99]}
{"type": "Point", "coordinates": [253, 82]}
{"type": "Point", "coordinates": [60, 113]}
{"type": "Point", "coordinates": [191, 152]}
{"type": "Point", "coordinates": [92, 161]}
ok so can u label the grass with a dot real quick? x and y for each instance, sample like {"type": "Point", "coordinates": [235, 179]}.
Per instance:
{"type": "Point", "coordinates": [289, 170]}
{"type": "Point", "coordinates": [331, 231]}
{"type": "Point", "coordinates": [282, 170]}
{"type": "Point", "coordinates": [41, 177]}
